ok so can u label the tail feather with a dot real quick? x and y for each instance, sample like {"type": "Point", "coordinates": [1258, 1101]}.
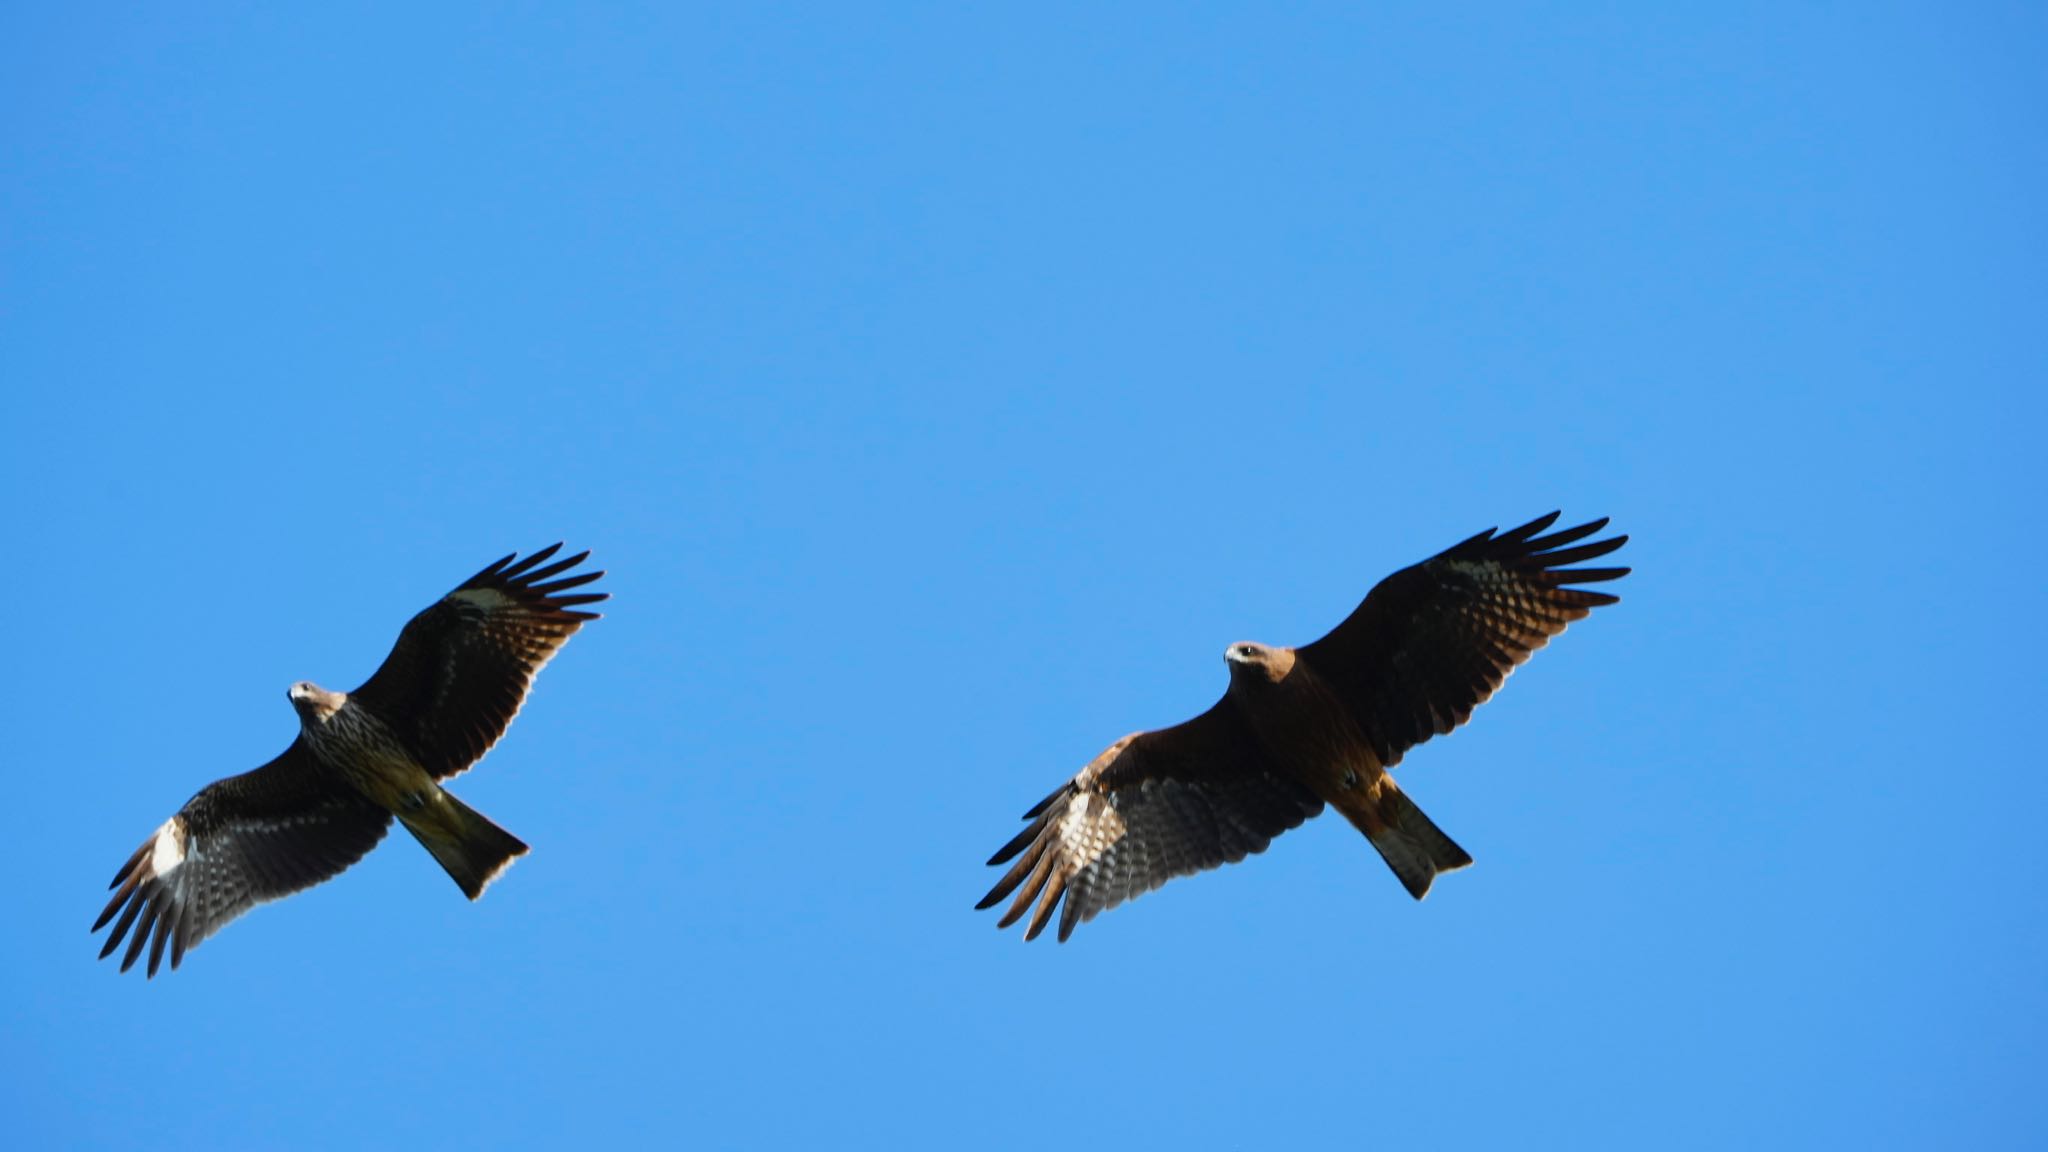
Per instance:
{"type": "Point", "coordinates": [465, 842]}
{"type": "Point", "coordinates": [1410, 842]}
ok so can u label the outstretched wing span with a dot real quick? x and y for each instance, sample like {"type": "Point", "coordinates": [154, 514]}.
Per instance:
{"type": "Point", "coordinates": [1435, 640]}
{"type": "Point", "coordinates": [462, 667]}
{"type": "Point", "coordinates": [239, 842]}
{"type": "Point", "coordinates": [1153, 806]}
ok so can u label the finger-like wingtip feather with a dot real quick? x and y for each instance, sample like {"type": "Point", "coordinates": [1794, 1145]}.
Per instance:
{"type": "Point", "coordinates": [181, 936]}
{"type": "Point", "coordinates": [520, 569]}
{"type": "Point", "coordinates": [1052, 798]}
{"type": "Point", "coordinates": [143, 927]}
{"type": "Point", "coordinates": [1052, 897]}
{"type": "Point", "coordinates": [567, 582]}
{"type": "Point", "coordinates": [1022, 868]}
{"type": "Point", "coordinates": [1591, 575]}
{"type": "Point", "coordinates": [534, 578]}
{"type": "Point", "coordinates": [1564, 536]}
{"type": "Point", "coordinates": [1029, 890]}
{"type": "Point", "coordinates": [157, 942]}
{"type": "Point", "coordinates": [1069, 916]}
{"type": "Point", "coordinates": [1559, 559]}
{"type": "Point", "coordinates": [128, 870]}
{"type": "Point", "coordinates": [493, 568]}
{"type": "Point", "coordinates": [1522, 534]}
{"type": "Point", "coordinates": [130, 904]}
{"type": "Point", "coordinates": [114, 905]}
{"type": "Point", "coordinates": [1017, 843]}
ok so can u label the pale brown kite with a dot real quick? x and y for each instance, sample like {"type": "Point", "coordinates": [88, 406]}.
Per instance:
{"type": "Point", "coordinates": [443, 696]}
{"type": "Point", "coordinates": [1299, 727]}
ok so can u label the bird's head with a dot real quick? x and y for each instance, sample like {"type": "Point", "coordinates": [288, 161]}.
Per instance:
{"type": "Point", "coordinates": [1258, 663]}
{"type": "Point", "coordinates": [314, 703]}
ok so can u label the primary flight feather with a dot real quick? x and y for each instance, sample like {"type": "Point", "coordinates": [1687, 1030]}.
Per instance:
{"type": "Point", "coordinates": [1301, 727]}
{"type": "Point", "coordinates": [445, 694]}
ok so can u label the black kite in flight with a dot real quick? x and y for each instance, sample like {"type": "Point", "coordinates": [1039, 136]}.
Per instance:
{"type": "Point", "coordinates": [1299, 727]}
{"type": "Point", "coordinates": [443, 696]}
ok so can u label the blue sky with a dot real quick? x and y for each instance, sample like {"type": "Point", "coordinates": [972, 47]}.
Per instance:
{"type": "Point", "coordinates": [944, 388]}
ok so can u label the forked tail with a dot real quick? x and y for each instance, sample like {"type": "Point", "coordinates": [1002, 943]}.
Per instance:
{"type": "Point", "coordinates": [472, 849]}
{"type": "Point", "coordinates": [1409, 841]}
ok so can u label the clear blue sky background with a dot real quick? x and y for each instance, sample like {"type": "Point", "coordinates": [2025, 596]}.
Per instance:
{"type": "Point", "coordinates": [944, 389]}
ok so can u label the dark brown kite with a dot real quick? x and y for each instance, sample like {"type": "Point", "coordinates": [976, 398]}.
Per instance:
{"type": "Point", "coordinates": [1301, 727]}
{"type": "Point", "coordinates": [443, 696]}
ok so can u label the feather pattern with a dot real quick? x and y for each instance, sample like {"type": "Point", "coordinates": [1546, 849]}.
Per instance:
{"type": "Point", "coordinates": [462, 668]}
{"type": "Point", "coordinates": [453, 682]}
{"type": "Point", "coordinates": [1154, 806]}
{"type": "Point", "coordinates": [1437, 639]}
{"type": "Point", "coordinates": [1426, 646]}
{"type": "Point", "coordinates": [241, 841]}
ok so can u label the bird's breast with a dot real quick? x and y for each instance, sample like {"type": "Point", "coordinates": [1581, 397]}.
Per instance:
{"type": "Point", "coordinates": [1308, 733]}
{"type": "Point", "coordinates": [363, 752]}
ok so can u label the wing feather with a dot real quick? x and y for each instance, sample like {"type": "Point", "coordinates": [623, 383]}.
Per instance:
{"type": "Point", "coordinates": [1153, 806]}
{"type": "Point", "coordinates": [239, 842]}
{"type": "Point", "coordinates": [461, 668]}
{"type": "Point", "coordinates": [1434, 641]}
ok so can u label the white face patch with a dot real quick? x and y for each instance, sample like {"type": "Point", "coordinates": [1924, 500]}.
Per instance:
{"type": "Point", "coordinates": [169, 850]}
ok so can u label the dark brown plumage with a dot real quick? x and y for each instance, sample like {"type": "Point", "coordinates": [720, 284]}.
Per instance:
{"type": "Point", "coordinates": [445, 694]}
{"type": "Point", "coordinates": [1301, 727]}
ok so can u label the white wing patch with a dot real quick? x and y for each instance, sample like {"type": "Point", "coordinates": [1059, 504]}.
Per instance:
{"type": "Point", "coordinates": [1091, 828]}
{"type": "Point", "coordinates": [488, 599]}
{"type": "Point", "coordinates": [169, 849]}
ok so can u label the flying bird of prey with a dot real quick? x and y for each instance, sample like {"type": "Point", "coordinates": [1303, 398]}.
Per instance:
{"type": "Point", "coordinates": [447, 691]}
{"type": "Point", "coordinates": [1301, 727]}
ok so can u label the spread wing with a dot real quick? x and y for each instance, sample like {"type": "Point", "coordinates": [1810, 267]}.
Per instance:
{"type": "Point", "coordinates": [462, 667]}
{"type": "Point", "coordinates": [239, 842]}
{"type": "Point", "coordinates": [1153, 806]}
{"type": "Point", "coordinates": [1434, 641]}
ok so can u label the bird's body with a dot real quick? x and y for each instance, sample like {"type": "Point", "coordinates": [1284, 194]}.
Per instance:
{"type": "Point", "coordinates": [443, 696]}
{"type": "Point", "coordinates": [1298, 728]}
{"type": "Point", "coordinates": [355, 750]}
{"type": "Point", "coordinates": [1306, 732]}
{"type": "Point", "coordinates": [1296, 718]}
